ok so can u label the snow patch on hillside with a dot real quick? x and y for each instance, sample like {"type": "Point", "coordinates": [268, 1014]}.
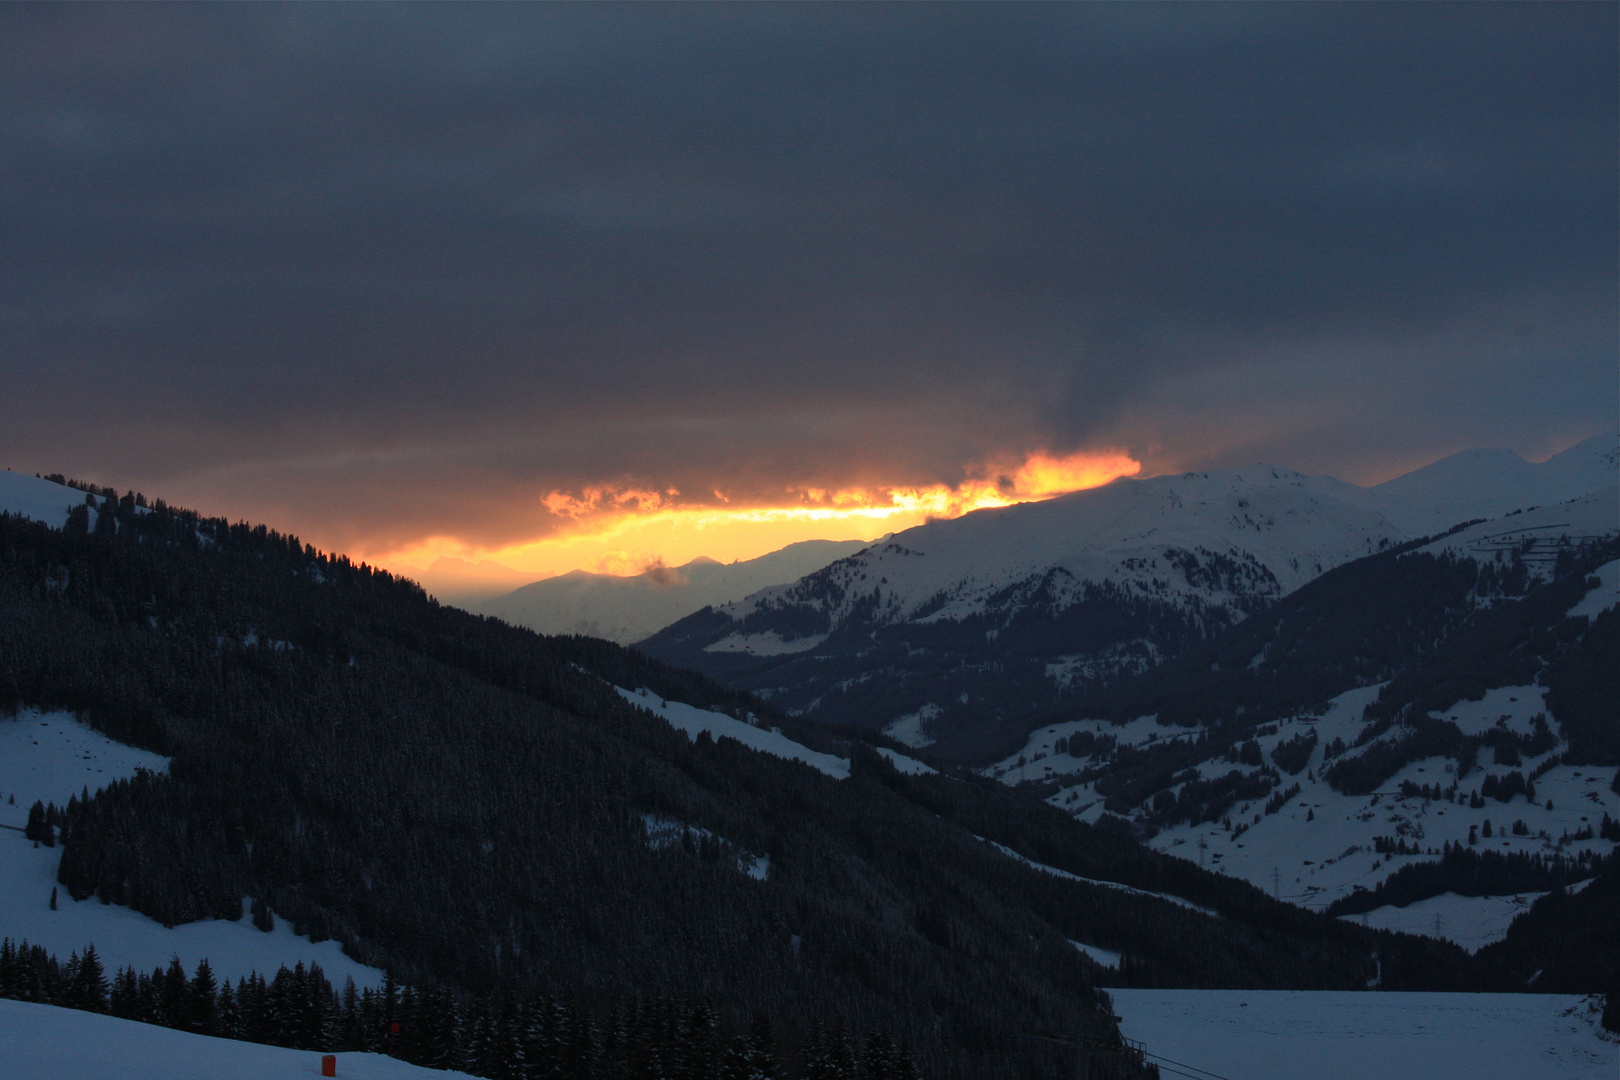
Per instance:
{"type": "Point", "coordinates": [1054, 871]}
{"type": "Point", "coordinates": [908, 765]}
{"type": "Point", "coordinates": [1350, 1035]}
{"type": "Point", "coordinates": [1043, 755]}
{"type": "Point", "coordinates": [1602, 598]}
{"type": "Point", "coordinates": [1320, 845]}
{"type": "Point", "coordinates": [38, 500]}
{"type": "Point", "coordinates": [769, 643]}
{"type": "Point", "coordinates": [1471, 921]}
{"type": "Point", "coordinates": [693, 720]}
{"type": "Point", "coordinates": [52, 757]}
{"type": "Point", "coordinates": [1537, 535]}
{"type": "Point", "coordinates": [1108, 958]}
{"type": "Point", "coordinates": [908, 729]}
{"type": "Point", "coordinates": [663, 832]}
{"type": "Point", "coordinates": [43, 1042]}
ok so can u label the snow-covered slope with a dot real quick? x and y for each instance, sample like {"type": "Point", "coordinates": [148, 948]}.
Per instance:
{"type": "Point", "coordinates": [1491, 483]}
{"type": "Point", "coordinates": [1491, 688]}
{"type": "Point", "coordinates": [43, 1042]}
{"type": "Point", "coordinates": [626, 609]}
{"type": "Point", "coordinates": [41, 500]}
{"type": "Point", "coordinates": [766, 740]}
{"type": "Point", "coordinates": [1321, 844]}
{"type": "Point", "coordinates": [693, 721]}
{"type": "Point", "coordinates": [953, 625]}
{"type": "Point", "coordinates": [1344, 1035]}
{"type": "Point", "coordinates": [51, 757]}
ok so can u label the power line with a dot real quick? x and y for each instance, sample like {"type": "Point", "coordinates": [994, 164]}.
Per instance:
{"type": "Point", "coordinates": [1201, 1072]}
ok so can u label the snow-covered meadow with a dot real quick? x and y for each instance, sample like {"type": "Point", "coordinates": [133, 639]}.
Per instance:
{"type": "Point", "coordinates": [51, 757]}
{"type": "Point", "coordinates": [1349, 1035]}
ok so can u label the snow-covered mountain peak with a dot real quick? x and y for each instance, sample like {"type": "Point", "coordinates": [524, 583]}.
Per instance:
{"type": "Point", "coordinates": [1282, 526]}
{"type": "Point", "coordinates": [1489, 483]}
{"type": "Point", "coordinates": [971, 620]}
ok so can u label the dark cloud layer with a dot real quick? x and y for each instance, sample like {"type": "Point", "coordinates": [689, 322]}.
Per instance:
{"type": "Point", "coordinates": [376, 270]}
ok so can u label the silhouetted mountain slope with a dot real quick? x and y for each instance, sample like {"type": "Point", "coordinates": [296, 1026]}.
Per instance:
{"type": "Point", "coordinates": [468, 802]}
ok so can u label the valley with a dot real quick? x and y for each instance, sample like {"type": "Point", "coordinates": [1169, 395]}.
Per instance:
{"type": "Point", "coordinates": [1286, 797]}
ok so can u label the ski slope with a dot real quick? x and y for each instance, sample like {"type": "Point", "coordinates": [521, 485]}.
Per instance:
{"type": "Point", "coordinates": [52, 756]}
{"type": "Point", "coordinates": [1346, 1035]}
{"type": "Point", "coordinates": [43, 1042]}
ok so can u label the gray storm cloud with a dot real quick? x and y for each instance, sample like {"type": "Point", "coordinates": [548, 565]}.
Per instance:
{"type": "Point", "coordinates": [378, 271]}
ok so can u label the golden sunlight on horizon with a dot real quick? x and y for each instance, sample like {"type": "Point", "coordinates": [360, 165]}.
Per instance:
{"type": "Point", "coordinates": [625, 531]}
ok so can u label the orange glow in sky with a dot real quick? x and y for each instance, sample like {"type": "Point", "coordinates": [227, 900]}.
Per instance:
{"type": "Point", "coordinates": [626, 530]}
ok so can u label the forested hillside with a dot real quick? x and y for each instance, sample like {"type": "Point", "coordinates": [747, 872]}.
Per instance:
{"type": "Point", "coordinates": [469, 805]}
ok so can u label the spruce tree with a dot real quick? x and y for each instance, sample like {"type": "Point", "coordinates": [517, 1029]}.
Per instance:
{"type": "Point", "coordinates": [173, 996]}
{"type": "Point", "coordinates": [204, 1003]}
{"type": "Point", "coordinates": [89, 988]}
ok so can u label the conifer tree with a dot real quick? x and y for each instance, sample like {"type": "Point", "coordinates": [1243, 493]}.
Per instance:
{"type": "Point", "coordinates": [89, 986]}
{"type": "Point", "coordinates": [174, 999]}
{"type": "Point", "coordinates": [203, 1013]}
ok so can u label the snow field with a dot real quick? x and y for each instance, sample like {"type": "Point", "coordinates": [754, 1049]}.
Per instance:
{"type": "Point", "coordinates": [1602, 598]}
{"type": "Point", "coordinates": [908, 729]}
{"type": "Point", "coordinates": [51, 756]}
{"type": "Point", "coordinates": [1106, 957]}
{"type": "Point", "coordinates": [691, 720]}
{"type": "Point", "coordinates": [1320, 845]}
{"type": "Point", "coordinates": [43, 1042]}
{"type": "Point", "coordinates": [1349, 1035]}
{"type": "Point", "coordinates": [1471, 921]}
{"type": "Point", "coordinates": [39, 500]}
{"type": "Point", "coordinates": [908, 765]}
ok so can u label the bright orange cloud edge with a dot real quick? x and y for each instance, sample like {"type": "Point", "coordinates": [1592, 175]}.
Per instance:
{"type": "Point", "coordinates": [600, 517]}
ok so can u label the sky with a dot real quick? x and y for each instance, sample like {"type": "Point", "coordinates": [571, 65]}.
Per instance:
{"type": "Point", "coordinates": [560, 286]}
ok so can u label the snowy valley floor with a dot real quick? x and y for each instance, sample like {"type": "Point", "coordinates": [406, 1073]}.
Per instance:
{"type": "Point", "coordinates": [1345, 1035]}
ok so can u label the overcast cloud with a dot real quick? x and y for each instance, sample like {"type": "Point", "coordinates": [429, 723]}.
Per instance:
{"type": "Point", "coordinates": [371, 271]}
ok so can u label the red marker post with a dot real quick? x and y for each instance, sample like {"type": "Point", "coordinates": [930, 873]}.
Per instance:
{"type": "Point", "coordinates": [328, 1064]}
{"type": "Point", "coordinates": [393, 1029]}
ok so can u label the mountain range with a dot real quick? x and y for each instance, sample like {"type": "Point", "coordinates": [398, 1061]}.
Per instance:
{"type": "Point", "coordinates": [1172, 692]}
{"type": "Point", "coordinates": [500, 817]}
{"type": "Point", "coordinates": [955, 627]}
{"type": "Point", "coordinates": [631, 607]}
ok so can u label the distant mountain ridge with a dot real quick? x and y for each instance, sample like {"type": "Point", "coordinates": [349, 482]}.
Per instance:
{"type": "Point", "coordinates": [625, 609]}
{"type": "Point", "coordinates": [957, 625]}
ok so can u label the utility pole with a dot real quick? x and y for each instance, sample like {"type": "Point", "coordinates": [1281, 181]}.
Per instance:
{"type": "Point", "coordinates": [1437, 924]}
{"type": "Point", "coordinates": [1276, 885]}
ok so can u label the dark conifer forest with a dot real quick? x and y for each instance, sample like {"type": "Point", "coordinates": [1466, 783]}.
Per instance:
{"type": "Point", "coordinates": [465, 804]}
